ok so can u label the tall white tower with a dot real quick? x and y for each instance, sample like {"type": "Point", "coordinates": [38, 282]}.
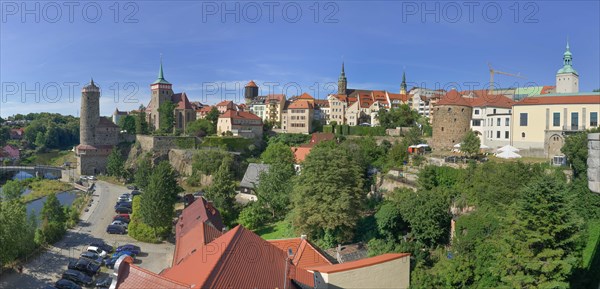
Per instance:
{"type": "Point", "coordinates": [567, 79]}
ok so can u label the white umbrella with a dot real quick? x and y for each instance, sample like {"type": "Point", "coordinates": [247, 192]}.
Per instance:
{"type": "Point", "coordinates": [422, 145]}
{"type": "Point", "coordinates": [457, 145]}
{"type": "Point", "coordinates": [508, 155]}
{"type": "Point", "coordinates": [508, 148]}
{"type": "Point", "coordinates": [482, 146]}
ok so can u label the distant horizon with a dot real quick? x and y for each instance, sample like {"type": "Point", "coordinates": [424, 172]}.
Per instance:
{"type": "Point", "coordinates": [211, 55]}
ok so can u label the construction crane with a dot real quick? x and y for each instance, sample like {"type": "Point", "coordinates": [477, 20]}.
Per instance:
{"type": "Point", "coordinates": [493, 71]}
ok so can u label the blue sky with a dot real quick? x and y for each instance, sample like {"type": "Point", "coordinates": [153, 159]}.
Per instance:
{"type": "Point", "coordinates": [43, 60]}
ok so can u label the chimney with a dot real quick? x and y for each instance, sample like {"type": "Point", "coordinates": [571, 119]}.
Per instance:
{"type": "Point", "coordinates": [338, 255]}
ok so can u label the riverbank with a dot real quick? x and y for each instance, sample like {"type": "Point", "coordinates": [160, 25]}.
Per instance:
{"type": "Point", "coordinates": [42, 187]}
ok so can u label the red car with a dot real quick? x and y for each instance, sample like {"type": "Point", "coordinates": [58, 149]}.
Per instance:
{"type": "Point", "coordinates": [124, 216]}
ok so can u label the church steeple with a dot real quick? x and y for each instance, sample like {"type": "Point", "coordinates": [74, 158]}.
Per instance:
{"type": "Point", "coordinates": [342, 81]}
{"type": "Point", "coordinates": [567, 78]}
{"type": "Point", "coordinates": [161, 77]}
{"type": "Point", "coordinates": [403, 84]}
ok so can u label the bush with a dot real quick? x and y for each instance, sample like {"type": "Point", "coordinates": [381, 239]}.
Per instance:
{"type": "Point", "coordinates": [253, 216]}
{"type": "Point", "coordinates": [142, 232]}
{"type": "Point", "coordinates": [185, 143]}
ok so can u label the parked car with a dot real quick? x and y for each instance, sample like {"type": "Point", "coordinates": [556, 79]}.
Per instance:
{"type": "Point", "coordinates": [110, 263]}
{"type": "Point", "coordinates": [125, 195]}
{"type": "Point", "coordinates": [114, 229]}
{"type": "Point", "coordinates": [129, 247]}
{"type": "Point", "coordinates": [135, 193]}
{"type": "Point", "coordinates": [121, 219]}
{"type": "Point", "coordinates": [103, 246]}
{"type": "Point", "coordinates": [104, 282]}
{"type": "Point", "coordinates": [123, 252]}
{"type": "Point", "coordinates": [66, 284]}
{"type": "Point", "coordinates": [98, 251]}
{"type": "Point", "coordinates": [91, 178]}
{"type": "Point", "coordinates": [123, 204]}
{"type": "Point", "coordinates": [77, 277]}
{"type": "Point", "coordinates": [84, 265]}
{"type": "Point", "coordinates": [92, 256]}
{"type": "Point", "coordinates": [123, 210]}
{"type": "Point", "coordinates": [198, 194]}
{"type": "Point", "coordinates": [132, 187]}
{"type": "Point", "coordinates": [123, 216]}
{"type": "Point", "coordinates": [119, 223]}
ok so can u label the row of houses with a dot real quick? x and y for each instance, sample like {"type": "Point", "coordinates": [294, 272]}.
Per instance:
{"type": "Point", "coordinates": [537, 124]}
{"type": "Point", "coordinates": [208, 255]}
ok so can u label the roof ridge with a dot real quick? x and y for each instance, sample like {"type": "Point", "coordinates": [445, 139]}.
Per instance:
{"type": "Point", "coordinates": [217, 271]}
{"type": "Point", "coordinates": [158, 275]}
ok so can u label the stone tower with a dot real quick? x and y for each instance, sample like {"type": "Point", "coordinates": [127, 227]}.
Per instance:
{"type": "Point", "coordinates": [342, 82]}
{"type": "Point", "coordinates": [90, 113]}
{"type": "Point", "coordinates": [567, 79]}
{"type": "Point", "coordinates": [162, 91]}
{"type": "Point", "coordinates": [451, 120]}
{"type": "Point", "coordinates": [97, 135]}
{"type": "Point", "coordinates": [403, 84]}
{"type": "Point", "coordinates": [250, 91]}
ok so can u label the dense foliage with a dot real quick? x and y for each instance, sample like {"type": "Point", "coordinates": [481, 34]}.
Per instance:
{"type": "Point", "coordinates": [52, 131]}
{"type": "Point", "coordinates": [166, 117]}
{"type": "Point", "coordinates": [127, 123]}
{"type": "Point", "coordinates": [398, 117]}
{"type": "Point", "coordinates": [470, 144]}
{"type": "Point", "coordinates": [222, 191]}
{"type": "Point", "coordinates": [201, 128]}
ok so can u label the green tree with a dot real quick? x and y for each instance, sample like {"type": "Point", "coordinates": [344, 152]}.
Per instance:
{"type": "Point", "coordinates": [128, 124]}
{"type": "Point", "coordinates": [277, 152]}
{"type": "Point", "coordinates": [208, 161]}
{"type": "Point", "coordinates": [470, 144]}
{"type": "Point", "coordinates": [327, 195]}
{"type": "Point", "coordinates": [576, 151]}
{"type": "Point", "coordinates": [213, 116]}
{"type": "Point", "coordinates": [17, 231]}
{"type": "Point", "coordinates": [12, 190]}
{"type": "Point", "coordinates": [166, 117]}
{"type": "Point", "coordinates": [142, 173]}
{"type": "Point", "coordinates": [253, 216]}
{"type": "Point", "coordinates": [397, 155]}
{"type": "Point", "coordinates": [141, 124]}
{"type": "Point", "coordinates": [40, 140]}
{"type": "Point", "coordinates": [157, 206]}
{"type": "Point", "coordinates": [115, 165]}
{"type": "Point", "coordinates": [200, 128]}
{"type": "Point", "coordinates": [397, 117]}
{"type": "Point", "coordinates": [389, 220]}
{"type": "Point", "coordinates": [222, 191]}
{"type": "Point", "coordinates": [4, 135]}
{"type": "Point", "coordinates": [53, 210]}
{"type": "Point", "coordinates": [274, 189]}
{"type": "Point", "coordinates": [541, 239]}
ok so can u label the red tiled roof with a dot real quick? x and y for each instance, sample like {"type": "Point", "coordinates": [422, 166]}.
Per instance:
{"type": "Point", "coordinates": [562, 99]}
{"type": "Point", "coordinates": [304, 253]}
{"type": "Point", "coordinates": [251, 84]}
{"type": "Point", "coordinates": [134, 277]}
{"type": "Point", "coordinates": [398, 96]}
{"type": "Point", "coordinates": [237, 259]}
{"type": "Point", "coordinates": [300, 104]}
{"type": "Point", "coordinates": [453, 97]}
{"type": "Point", "coordinates": [300, 153]}
{"type": "Point", "coordinates": [181, 100]}
{"type": "Point", "coordinates": [358, 264]}
{"type": "Point", "coordinates": [547, 89]}
{"type": "Point", "coordinates": [306, 96]}
{"type": "Point", "coordinates": [322, 102]}
{"type": "Point", "coordinates": [224, 103]}
{"type": "Point", "coordinates": [233, 114]}
{"type": "Point", "coordinates": [276, 97]}
{"type": "Point", "coordinates": [492, 100]}
{"type": "Point", "coordinates": [318, 137]}
{"type": "Point", "coordinates": [204, 109]}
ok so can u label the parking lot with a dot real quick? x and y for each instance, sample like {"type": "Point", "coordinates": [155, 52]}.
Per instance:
{"type": "Point", "coordinates": [48, 267]}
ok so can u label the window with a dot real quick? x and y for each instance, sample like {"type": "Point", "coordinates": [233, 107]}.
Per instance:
{"type": "Point", "coordinates": [477, 111]}
{"type": "Point", "coordinates": [556, 119]}
{"type": "Point", "coordinates": [593, 119]}
{"type": "Point", "coordinates": [522, 134]}
{"type": "Point", "coordinates": [497, 134]}
{"type": "Point", "coordinates": [494, 111]}
{"type": "Point", "coordinates": [574, 120]}
{"type": "Point", "coordinates": [477, 122]}
{"type": "Point", "coordinates": [507, 121]}
{"type": "Point", "coordinates": [506, 135]}
{"type": "Point", "coordinates": [523, 119]}
{"type": "Point", "coordinates": [498, 120]}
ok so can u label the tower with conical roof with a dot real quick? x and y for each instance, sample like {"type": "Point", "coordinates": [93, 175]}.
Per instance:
{"type": "Point", "coordinates": [403, 84]}
{"type": "Point", "coordinates": [567, 79]}
{"type": "Point", "coordinates": [342, 82]}
{"type": "Point", "coordinates": [162, 91]}
{"type": "Point", "coordinates": [250, 91]}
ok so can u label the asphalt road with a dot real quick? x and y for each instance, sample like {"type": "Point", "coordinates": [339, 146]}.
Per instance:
{"type": "Point", "coordinates": [47, 267]}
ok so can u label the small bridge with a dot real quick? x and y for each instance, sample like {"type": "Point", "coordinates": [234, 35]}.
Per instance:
{"type": "Point", "coordinates": [38, 170]}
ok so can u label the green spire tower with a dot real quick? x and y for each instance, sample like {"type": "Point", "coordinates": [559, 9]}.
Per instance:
{"type": "Point", "coordinates": [567, 78]}
{"type": "Point", "coordinates": [342, 81]}
{"type": "Point", "coordinates": [403, 84]}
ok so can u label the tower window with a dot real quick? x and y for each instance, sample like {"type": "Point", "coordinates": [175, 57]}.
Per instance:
{"type": "Point", "coordinates": [522, 134]}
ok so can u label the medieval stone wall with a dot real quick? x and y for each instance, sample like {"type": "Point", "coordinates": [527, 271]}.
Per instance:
{"type": "Point", "coordinates": [450, 124]}
{"type": "Point", "coordinates": [593, 162]}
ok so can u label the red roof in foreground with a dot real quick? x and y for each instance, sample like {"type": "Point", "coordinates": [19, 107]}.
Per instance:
{"type": "Point", "coordinates": [561, 99]}
{"type": "Point", "coordinates": [305, 254]}
{"type": "Point", "coordinates": [237, 259]}
{"type": "Point", "coordinates": [358, 264]}
{"type": "Point", "coordinates": [134, 277]}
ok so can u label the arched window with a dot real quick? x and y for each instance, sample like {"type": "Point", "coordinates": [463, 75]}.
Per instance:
{"type": "Point", "coordinates": [522, 134]}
